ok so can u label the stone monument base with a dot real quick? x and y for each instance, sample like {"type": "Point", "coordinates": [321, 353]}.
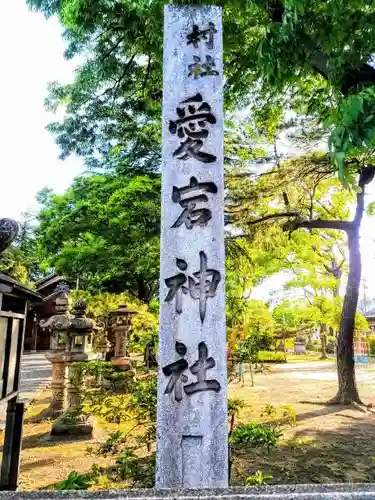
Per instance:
{"type": "Point", "coordinates": [75, 426]}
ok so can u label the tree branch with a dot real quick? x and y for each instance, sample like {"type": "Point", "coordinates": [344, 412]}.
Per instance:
{"type": "Point", "coordinates": [114, 47]}
{"type": "Point", "coordinates": [325, 224]}
{"type": "Point", "coordinates": [275, 216]}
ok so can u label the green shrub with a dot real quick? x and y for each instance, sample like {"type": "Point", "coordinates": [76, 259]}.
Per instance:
{"type": "Point", "coordinates": [255, 436]}
{"type": "Point", "coordinates": [112, 444]}
{"type": "Point", "coordinates": [139, 470]}
{"type": "Point", "coordinates": [234, 407]}
{"type": "Point", "coordinates": [113, 408]}
{"type": "Point", "coordinates": [271, 357]}
{"type": "Point", "coordinates": [127, 464]}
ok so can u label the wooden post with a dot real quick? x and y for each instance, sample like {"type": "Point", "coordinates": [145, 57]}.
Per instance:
{"type": "Point", "coordinates": [12, 446]}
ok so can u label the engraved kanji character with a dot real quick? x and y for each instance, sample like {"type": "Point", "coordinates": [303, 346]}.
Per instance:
{"type": "Point", "coordinates": [201, 286]}
{"type": "Point", "coordinates": [188, 197]}
{"type": "Point", "coordinates": [191, 124]}
{"type": "Point", "coordinates": [199, 69]}
{"type": "Point", "coordinates": [197, 35]}
{"type": "Point", "coordinates": [175, 371]}
{"type": "Point", "coordinates": [199, 369]}
{"type": "Point", "coordinates": [204, 285]}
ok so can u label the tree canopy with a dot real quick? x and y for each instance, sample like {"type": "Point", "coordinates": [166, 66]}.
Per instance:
{"type": "Point", "coordinates": [311, 57]}
{"type": "Point", "coordinates": [309, 52]}
{"type": "Point", "coordinates": [104, 230]}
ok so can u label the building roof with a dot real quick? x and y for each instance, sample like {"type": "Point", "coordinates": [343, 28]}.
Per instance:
{"type": "Point", "coordinates": [52, 279]}
{"type": "Point", "coordinates": [19, 289]}
{"type": "Point", "coordinates": [370, 313]}
{"type": "Point", "coordinates": [45, 278]}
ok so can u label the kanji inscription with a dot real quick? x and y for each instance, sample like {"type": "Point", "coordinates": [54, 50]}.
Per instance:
{"type": "Point", "coordinates": [189, 197]}
{"type": "Point", "coordinates": [191, 125]}
{"type": "Point", "coordinates": [197, 35]}
{"type": "Point", "coordinates": [176, 372]}
{"type": "Point", "coordinates": [200, 69]}
{"type": "Point", "coordinates": [201, 285]}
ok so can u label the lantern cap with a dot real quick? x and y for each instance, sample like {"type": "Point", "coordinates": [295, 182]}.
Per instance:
{"type": "Point", "coordinates": [122, 310]}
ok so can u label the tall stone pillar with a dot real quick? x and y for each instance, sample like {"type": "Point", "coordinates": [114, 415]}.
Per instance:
{"type": "Point", "coordinates": [192, 448]}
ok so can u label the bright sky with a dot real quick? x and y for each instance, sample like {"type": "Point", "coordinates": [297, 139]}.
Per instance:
{"type": "Point", "coordinates": [31, 56]}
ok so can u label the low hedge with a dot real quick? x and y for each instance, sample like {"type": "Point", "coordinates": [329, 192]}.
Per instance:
{"type": "Point", "coordinates": [271, 357]}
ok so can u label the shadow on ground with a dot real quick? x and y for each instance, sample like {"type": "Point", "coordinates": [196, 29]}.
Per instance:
{"type": "Point", "coordinates": [44, 440]}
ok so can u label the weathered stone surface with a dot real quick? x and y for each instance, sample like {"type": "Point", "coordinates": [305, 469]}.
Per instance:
{"type": "Point", "coordinates": [192, 401]}
{"type": "Point", "coordinates": [8, 232]}
{"type": "Point", "coordinates": [77, 427]}
{"type": "Point", "coordinates": [283, 492]}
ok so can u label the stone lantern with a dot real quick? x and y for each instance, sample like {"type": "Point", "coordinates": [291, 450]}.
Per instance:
{"type": "Point", "coordinates": [73, 421]}
{"type": "Point", "coordinates": [59, 326]}
{"type": "Point", "coordinates": [79, 329]}
{"type": "Point", "coordinates": [121, 324]}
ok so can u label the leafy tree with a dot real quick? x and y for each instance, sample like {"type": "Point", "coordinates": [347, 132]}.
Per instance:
{"type": "Point", "coordinates": [295, 194]}
{"type": "Point", "coordinates": [104, 230]}
{"type": "Point", "coordinates": [22, 260]}
{"type": "Point", "coordinates": [291, 319]}
{"type": "Point", "coordinates": [309, 52]}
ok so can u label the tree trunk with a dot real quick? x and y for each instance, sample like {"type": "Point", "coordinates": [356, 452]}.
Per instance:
{"type": "Point", "coordinates": [143, 292]}
{"type": "Point", "coordinates": [251, 374]}
{"type": "Point", "coordinates": [323, 340]}
{"type": "Point", "coordinates": [348, 392]}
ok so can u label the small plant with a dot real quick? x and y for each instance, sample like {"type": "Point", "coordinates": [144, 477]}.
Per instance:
{"type": "Point", "coordinates": [72, 417]}
{"type": "Point", "coordinates": [268, 411]}
{"type": "Point", "coordinates": [75, 481]}
{"type": "Point", "coordinates": [262, 369]}
{"type": "Point", "coordinates": [111, 445]}
{"type": "Point", "coordinates": [289, 414]}
{"type": "Point", "coordinates": [259, 479]}
{"type": "Point", "coordinates": [255, 436]}
{"type": "Point", "coordinates": [234, 407]}
{"type": "Point", "coordinates": [113, 408]}
{"type": "Point", "coordinates": [127, 464]}
{"type": "Point", "coordinates": [148, 437]}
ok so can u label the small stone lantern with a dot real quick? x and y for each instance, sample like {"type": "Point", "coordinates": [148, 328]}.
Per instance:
{"type": "Point", "coordinates": [122, 319]}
